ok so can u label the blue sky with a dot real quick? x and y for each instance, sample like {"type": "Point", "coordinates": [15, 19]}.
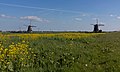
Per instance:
{"type": "Point", "coordinates": [59, 15]}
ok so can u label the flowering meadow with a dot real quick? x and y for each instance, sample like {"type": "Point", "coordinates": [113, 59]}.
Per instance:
{"type": "Point", "coordinates": [59, 52]}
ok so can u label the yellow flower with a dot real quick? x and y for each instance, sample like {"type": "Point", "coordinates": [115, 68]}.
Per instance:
{"type": "Point", "coordinates": [22, 58]}
{"type": "Point", "coordinates": [6, 49]}
{"type": "Point", "coordinates": [23, 41]}
{"type": "Point", "coordinates": [13, 43]}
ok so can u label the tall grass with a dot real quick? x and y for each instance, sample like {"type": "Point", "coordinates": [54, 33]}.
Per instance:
{"type": "Point", "coordinates": [97, 53]}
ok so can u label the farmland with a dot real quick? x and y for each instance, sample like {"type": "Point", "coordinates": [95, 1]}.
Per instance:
{"type": "Point", "coordinates": [60, 52]}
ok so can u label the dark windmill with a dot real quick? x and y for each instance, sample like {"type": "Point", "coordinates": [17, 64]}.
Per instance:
{"type": "Point", "coordinates": [96, 26]}
{"type": "Point", "coordinates": [29, 29]}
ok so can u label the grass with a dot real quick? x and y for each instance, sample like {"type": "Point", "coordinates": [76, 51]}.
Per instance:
{"type": "Point", "coordinates": [68, 53]}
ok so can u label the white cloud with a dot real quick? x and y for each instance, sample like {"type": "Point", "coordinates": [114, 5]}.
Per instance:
{"type": "Point", "coordinates": [31, 18]}
{"type": "Point", "coordinates": [46, 20]}
{"type": "Point", "coordinates": [84, 15]}
{"type": "Point", "coordinates": [95, 18]}
{"type": "Point", "coordinates": [112, 15]}
{"type": "Point", "coordinates": [78, 19]}
{"type": "Point", "coordinates": [118, 17]}
{"type": "Point", "coordinates": [34, 18]}
{"type": "Point", "coordinates": [101, 23]}
{"type": "Point", "coordinates": [6, 16]}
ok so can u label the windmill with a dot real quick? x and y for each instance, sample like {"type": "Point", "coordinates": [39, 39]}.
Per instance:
{"type": "Point", "coordinates": [29, 29]}
{"type": "Point", "coordinates": [96, 26]}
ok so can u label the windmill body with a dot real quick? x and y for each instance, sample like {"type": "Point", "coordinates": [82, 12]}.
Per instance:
{"type": "Point", "coordinates": [96, 26]}
{"type": "Point", "coordinates": [29, 29]}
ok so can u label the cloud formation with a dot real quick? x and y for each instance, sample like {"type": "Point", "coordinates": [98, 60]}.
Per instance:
{"type": "Point", "coordinates": [78, 19]}
{"type": "Point", "coordinates": [6, 16]}
{"type": "Point", "coordinates": [34, 18]}
{"type": "Point", "coordinates": [95, 18]}
{"type": "Point", "coordinates": [112, 15]}
{"type": "Point", "coordinates": [49, 9]}
{"type": "Point", "coordinates": [101, 23]}
{"type": "Point", "coordinates": [118, 17]}
{"type": "Point", "coordinates": [85, 14]}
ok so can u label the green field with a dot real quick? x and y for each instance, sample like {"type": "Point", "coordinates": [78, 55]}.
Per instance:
{"type": "Point", "coordinates": [96, 53]}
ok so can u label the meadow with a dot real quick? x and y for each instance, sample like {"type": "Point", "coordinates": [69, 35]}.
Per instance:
{"type": "Point", "coordinates": [60, 52]}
